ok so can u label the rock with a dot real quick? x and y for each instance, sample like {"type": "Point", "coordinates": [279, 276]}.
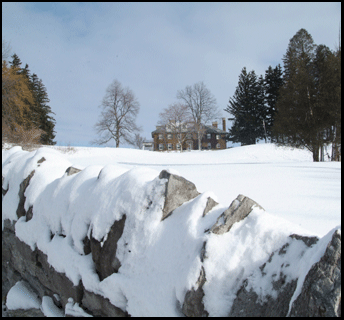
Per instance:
{"type": "Point", "coordinates": [41, 160]}
{"type": "Point", "coordinates": [248, 303]}
{"type": "Point", "coordinates": [100, 306]}
{"type": "Point", "coordinates": [71, 170]}
{"type": "Point", "coordinates": [25, 313]}
{"type": "Point", "coordinates": [321, 291]}
{"type": "Point", "coordinates": [193, 305]}
{"type": "Point", "coordinates": [239, 209]}
{"type": "Point", "coordinates": [211, 203]}
{"type": "Point", "coordinates": [33, 266]}
{"type": "Point", "coordinates": [20, 210]}
{"type": "Point", "coordinates": [4, 191]}
{"type": "Point", "coordinates": [178, 190]}
{"type": "Point", "coordinates": [320, 294]}
{"type": "Point", "coordinates": [104, 255]}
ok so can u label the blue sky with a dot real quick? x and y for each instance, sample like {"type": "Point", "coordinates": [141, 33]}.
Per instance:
{"type": "Point", "coordinates": [155, 49]}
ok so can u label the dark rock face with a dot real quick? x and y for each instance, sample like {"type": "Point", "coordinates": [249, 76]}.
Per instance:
{"type": "Point", "coordinates": [193, 305]}
{"type": "Point", "coordinates": [178, 190]}
{"type": "Point", "coordinates": [321, 290]}
{"type": "Point", "coordinates": [33, 266]}
{"type": "Point", "coordinates": [104, 256]}
{"type": "Point", "coordinates": [239, 209]}
{"type": "Point", "coordinates": [100, 306]}
{"type": "Point", "coordinates": [247, 303]}
{"type": "Point", "coordinates": [20, 210]}
{"type": "Point", "coordinates": [320, 294]}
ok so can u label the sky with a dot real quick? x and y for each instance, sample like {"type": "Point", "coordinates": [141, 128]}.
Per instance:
{"type": "Point", "coordinates": [155, 49]}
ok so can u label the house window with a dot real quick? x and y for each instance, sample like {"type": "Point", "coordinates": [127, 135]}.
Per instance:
{"type": "Point", "coordinates": [169, 146]}
{"type": "Point", "coordinates": [179, 136]}
{"type": "Point", "coordinates": [178, 146]}
{"type": "Point", "coordinates": [209, 136]}
{"type": "Point", "coordinates": [217, 137]}
{"type": "Point", "coordinates": [209, 146]}
{"type": "Point", "coordinates": [189, 145]}
{"type": "Point", "coordinates": [161, 146]}
{"type": "Point", "coordinates": [161, 136]}
{"type": "Point", "coordinates": [169, 136]}
{"type": "Point", "coordinates": [218, 146]}
{"type": "Point", "coordinates": [189, 136]}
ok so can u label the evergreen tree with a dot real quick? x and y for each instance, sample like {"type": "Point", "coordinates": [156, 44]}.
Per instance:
{"type": "Point", "coordinates": [41, 111]}
{"type": "Point", "coordinates": [15, 95]}
{"type": "Point", "coordinates": [272, 82]}
{"type": "Point", "coordinates": [302, 116]}
{"type": "Point", "coordinates": [25, 101]}
{"type": "Point", "coordinates": [247, 107]}
{"type": "Point", "coordinates": [16, 63]}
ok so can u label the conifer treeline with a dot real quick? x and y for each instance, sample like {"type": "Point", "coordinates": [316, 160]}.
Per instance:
{"type": "Point", "coordinates": [26, 114]}
{"type": "Point", "coordinates": [299, 107]}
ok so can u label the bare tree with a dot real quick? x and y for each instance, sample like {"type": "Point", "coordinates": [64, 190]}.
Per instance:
{"type": "Point", "coordinates": [117, 119]}
{"type": "Point", "coordinates": [138, 141]}
{"type": "Point", "coordinates": [176, 120]}
{"type": "Point", "coordinates": [201, 106]}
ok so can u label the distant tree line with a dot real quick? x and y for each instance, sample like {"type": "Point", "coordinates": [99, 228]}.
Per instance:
{"type": "Point", "coordinates": [26, 115]}
{"type": "Point", "coordinates": [299, 107]}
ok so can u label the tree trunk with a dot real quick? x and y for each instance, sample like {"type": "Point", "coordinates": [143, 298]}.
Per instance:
{"type": "Point", "coordinates": [316, 153]}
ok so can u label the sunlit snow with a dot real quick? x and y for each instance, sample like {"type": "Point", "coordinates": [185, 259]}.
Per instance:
{"type": "Point", "coordinates": [160, 260]}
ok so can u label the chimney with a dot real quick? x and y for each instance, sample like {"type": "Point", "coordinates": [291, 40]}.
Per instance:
{"type": "Point", "coordinates": [224, 124]}
{"type": "Point", "coordinates": [215, 124]}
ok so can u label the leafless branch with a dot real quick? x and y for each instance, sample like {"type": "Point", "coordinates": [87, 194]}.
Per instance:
{"type": "Point", "coordinates": [117, 119]}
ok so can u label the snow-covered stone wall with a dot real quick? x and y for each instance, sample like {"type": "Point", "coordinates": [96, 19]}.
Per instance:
{"type": "Point", "coordinates": [105, 241]}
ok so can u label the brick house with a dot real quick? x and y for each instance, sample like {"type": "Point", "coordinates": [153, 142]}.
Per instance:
{"type": "Point", "coordinates": [214, 138]}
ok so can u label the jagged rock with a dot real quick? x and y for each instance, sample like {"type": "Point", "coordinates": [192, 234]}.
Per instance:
{"type": "Point", "coordinates": [193, 305]}
{"type": "Point", "coordinates": [25, 313]}
{"type": "Point", "coordinates": [320, 294]}
{"type": "Point", "coordinates": [33, 266]}
{"type": "Point", "coordinates": [211, 203]}
{"type": "Point", "coordinates": [99, 306]}
{"type": "Point", "coordinates": [178, 190]}
{"type": "Point", "coordinates": [239, 209]}
{"type": "Point", "coordinates": [321, 291]}
{"type": "Point", "coordinates": [104, 255]}
{"type": "Point", "coordinates": [71, 170]}
{"type": "Point", "coordinates": [21, 210]}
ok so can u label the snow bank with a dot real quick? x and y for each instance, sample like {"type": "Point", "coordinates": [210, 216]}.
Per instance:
{"type": "Point", "coordinates": [160, 260]}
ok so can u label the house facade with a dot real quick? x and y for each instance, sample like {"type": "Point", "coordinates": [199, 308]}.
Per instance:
{"type": "Point", "coordinates": [167, 139]}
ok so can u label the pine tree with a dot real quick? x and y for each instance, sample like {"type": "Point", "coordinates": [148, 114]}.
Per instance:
{"type": "Point", "coordinates": [16, 63]}
{"type": "Point", "coordinates": [247, 107]}
{"type": "Point", "coordinates": [272, 82]}
{"type": "Point", "coordinates": [41, 111]}
{"type": "Point", "coordinates": [303, 107]}
{"type": "Point", "coordinates": [25, 101]}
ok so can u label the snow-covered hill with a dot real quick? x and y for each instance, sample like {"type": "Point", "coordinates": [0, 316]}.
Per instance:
{"type": "Point", "coordinates": [285, 181]}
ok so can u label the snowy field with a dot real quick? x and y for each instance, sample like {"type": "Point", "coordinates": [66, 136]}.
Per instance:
{"type": "Point", "coordinates": [298, 195]}
{"type": "Point", "coordinates": [284, 181]}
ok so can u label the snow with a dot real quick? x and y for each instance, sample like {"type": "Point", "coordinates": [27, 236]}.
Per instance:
{"type": "Point", "coordinates": [160, 260]}
{"type": "Point", "coordinates": [21, 297]}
